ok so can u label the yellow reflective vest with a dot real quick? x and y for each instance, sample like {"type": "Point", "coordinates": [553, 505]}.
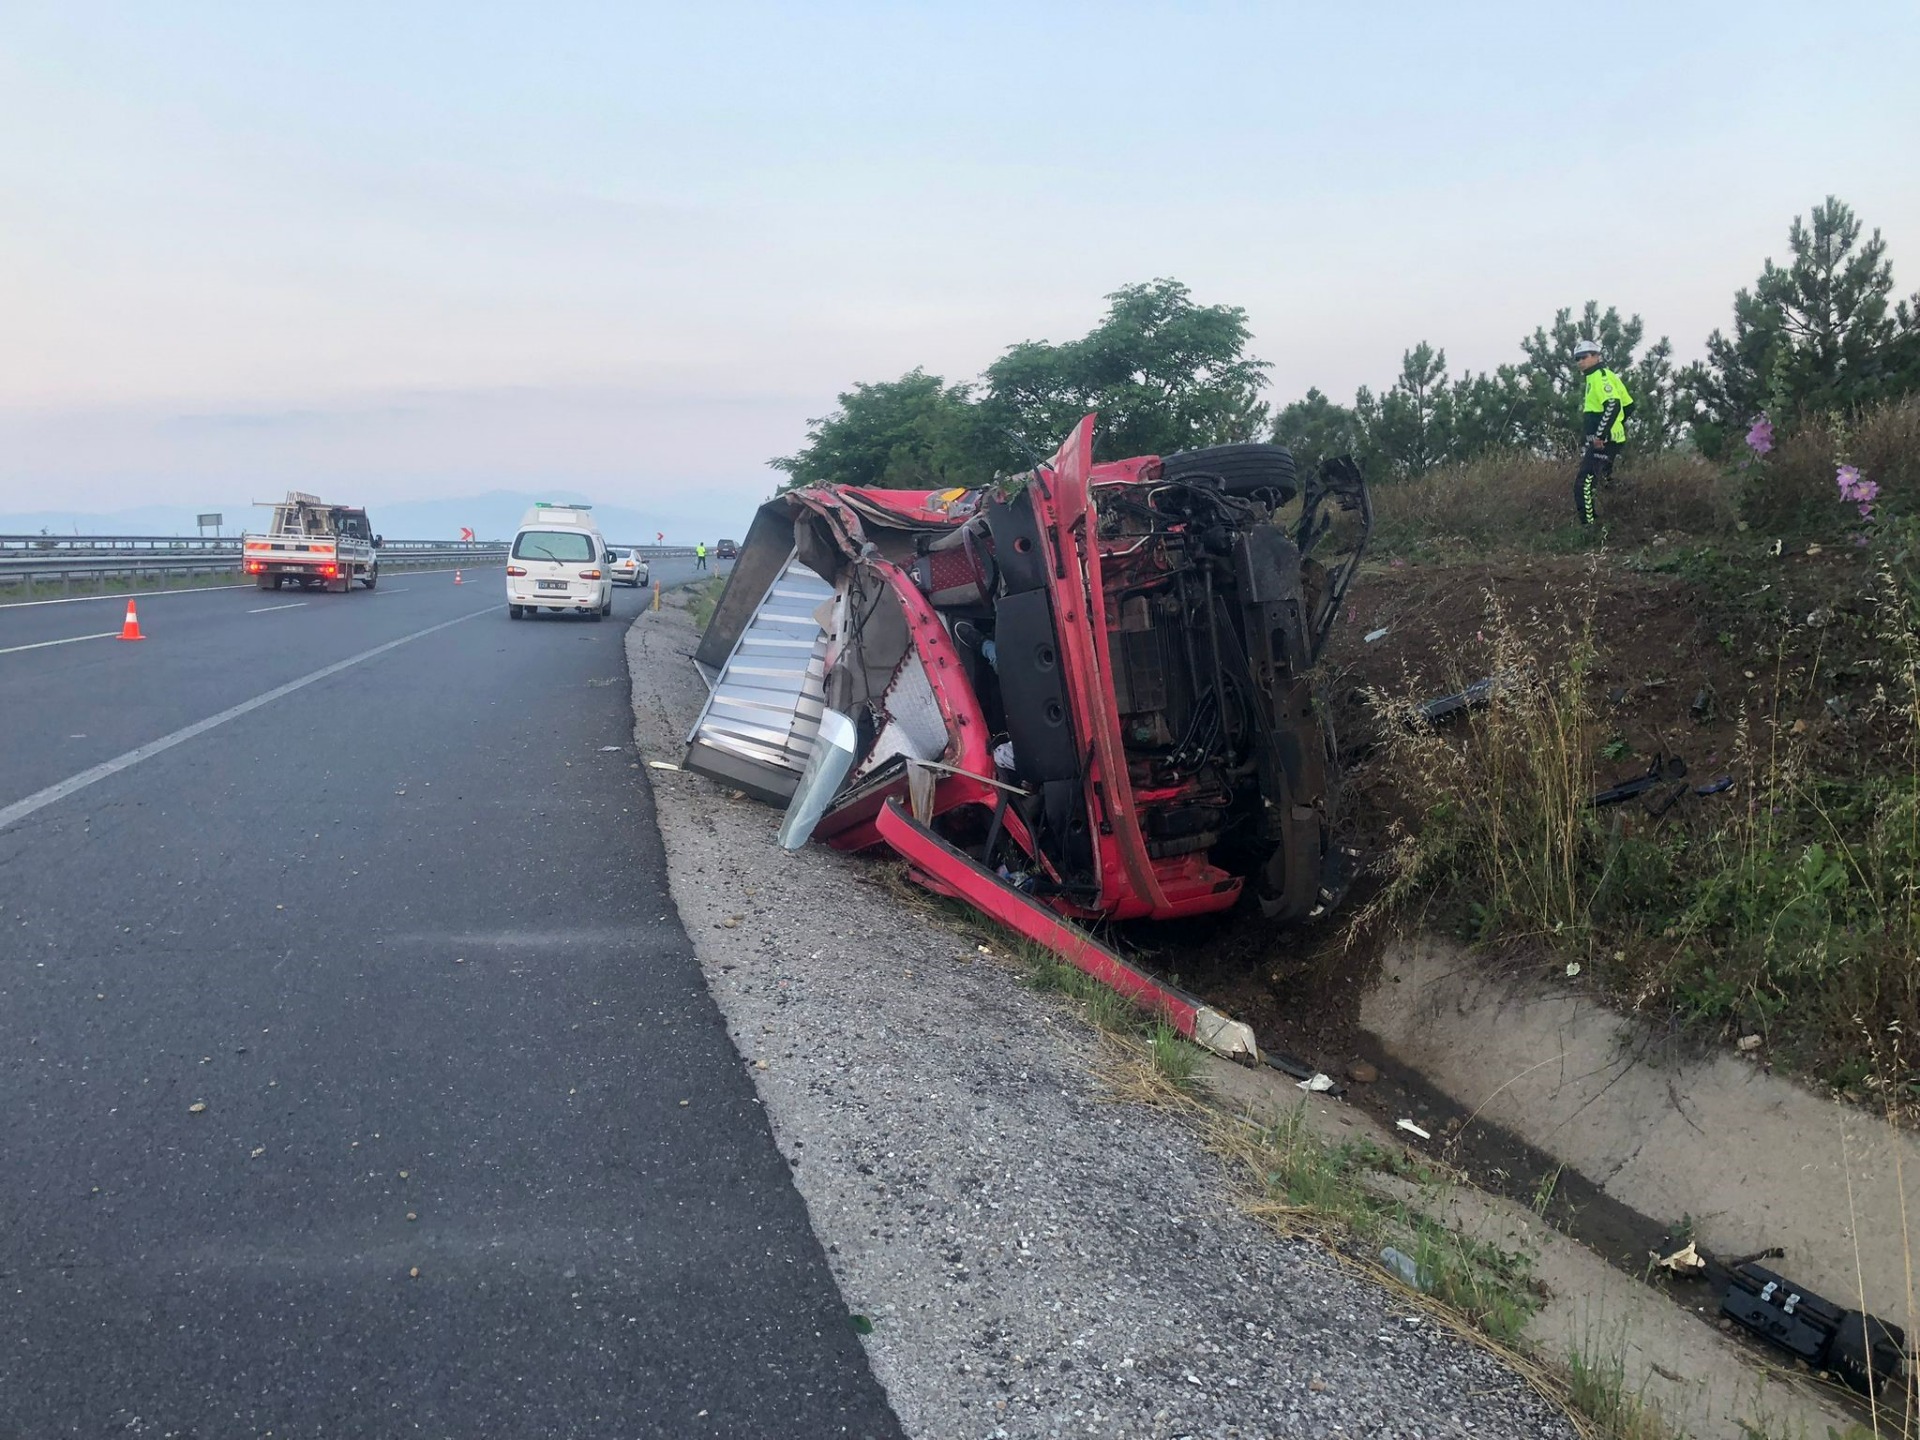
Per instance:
{"type": "Point", "coordinates": [1607, 403]}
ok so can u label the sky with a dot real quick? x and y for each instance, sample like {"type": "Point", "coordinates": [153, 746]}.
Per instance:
{"type": "Point", "coordinates": [401, 253]}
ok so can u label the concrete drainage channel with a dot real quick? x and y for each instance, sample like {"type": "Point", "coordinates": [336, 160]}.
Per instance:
{"type": "Point", "coordinates": [1577, 1138]}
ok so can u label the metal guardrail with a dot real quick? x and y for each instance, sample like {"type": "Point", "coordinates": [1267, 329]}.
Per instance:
{"type": "Point", "coordinates": [25, 572]}
{"type": "Point", "coordinates": [28, 562]}
{"type": "Point", "coordinates": [16, 545]}
{"type": "Point", "coordinates": [12, 546]}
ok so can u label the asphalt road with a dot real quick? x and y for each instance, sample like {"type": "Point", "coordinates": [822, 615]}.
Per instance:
{"type": "Point", "coordinates": [375, 974]}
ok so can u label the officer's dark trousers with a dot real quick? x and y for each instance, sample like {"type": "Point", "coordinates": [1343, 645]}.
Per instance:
{"type": "Point", "coordinates": [1595, 466]}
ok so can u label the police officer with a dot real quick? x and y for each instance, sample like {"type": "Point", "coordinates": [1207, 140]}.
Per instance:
{"type": "Point", "coordinates": [1603, 415]}
{"type": "Point", "coordinates": [700, 555]}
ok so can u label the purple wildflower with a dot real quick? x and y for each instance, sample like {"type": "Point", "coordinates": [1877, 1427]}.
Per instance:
{"type": "Point", "coordinates": [1856, 488]}
{"type": "Point", "coordinates": [1760, 437]}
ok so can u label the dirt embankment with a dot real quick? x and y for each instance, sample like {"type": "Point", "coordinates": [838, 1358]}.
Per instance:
{"type": "Point", "coordinates": [1742, 668]}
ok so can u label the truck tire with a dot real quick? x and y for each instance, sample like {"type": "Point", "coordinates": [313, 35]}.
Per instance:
{"type": "Point", "coordinates": [1240, 469]}
{"type": "Point", "coordinates": [372, 578]}
{"type": "Point", "coordinates": [514, 612]}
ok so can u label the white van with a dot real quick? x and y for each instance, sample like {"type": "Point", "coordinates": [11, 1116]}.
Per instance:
{"type": "Point", "coordinates": [559, 561]}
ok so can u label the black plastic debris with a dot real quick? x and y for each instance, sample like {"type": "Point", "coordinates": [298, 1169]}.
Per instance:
{"type": "Point", "coordinates": [1445, 706]}
{"type": "Point", "coordinates": [1864, 1351]}
{"type": "Point", "coordinates": [1664, 770]}
{"type": "Point", "coordinates": [1662, 787]}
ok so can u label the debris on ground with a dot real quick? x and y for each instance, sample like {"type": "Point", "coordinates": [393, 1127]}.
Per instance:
{"type": "Point", "coordinates": [1867, 1353]}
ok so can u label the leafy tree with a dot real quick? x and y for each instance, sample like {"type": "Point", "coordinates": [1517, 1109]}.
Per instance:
{"type": "Point", "coordinates": [1548, 418]}
{"type": "Point", "coordinates": [1315, 428]}
{"type": "Point", "coordinates": [914, 433]}
{"type": "Point", "coordinates": [1164, 374]}
{"type": "Point", "coordinates": [1817, 334]}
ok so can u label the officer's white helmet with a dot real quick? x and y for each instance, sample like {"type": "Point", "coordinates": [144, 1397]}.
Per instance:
{"type": "Point", "coordinates": [1584, 348]}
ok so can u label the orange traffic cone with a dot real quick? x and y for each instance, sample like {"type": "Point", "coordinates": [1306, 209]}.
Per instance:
{"type": "Point", "coordinates": [456, 578]}
{"type": "Point", "coordinates": [130, 628]}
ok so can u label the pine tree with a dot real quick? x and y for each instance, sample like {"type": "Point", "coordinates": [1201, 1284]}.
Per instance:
{"type": "Point", "coordinates": [1821, 333]}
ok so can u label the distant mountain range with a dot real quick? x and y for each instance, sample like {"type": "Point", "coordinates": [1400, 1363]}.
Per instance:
{"type": "Point", "coordinates": [494, 515]}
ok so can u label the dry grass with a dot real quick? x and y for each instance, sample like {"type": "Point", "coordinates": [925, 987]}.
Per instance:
{"type": "Point", "coordinates": [1792, 491]}
{"type": "Point", "coordinates": [1518, 501]}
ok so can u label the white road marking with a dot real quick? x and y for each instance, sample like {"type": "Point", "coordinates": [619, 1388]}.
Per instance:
{"type": "Point", "coordinates": [269, 609]}
{"type": "Point", "coordinates": [71, 639]}
{"type": "Point", "coordinates": [123, 595]}
{"type": "Point", "coordinates": [20, 809]}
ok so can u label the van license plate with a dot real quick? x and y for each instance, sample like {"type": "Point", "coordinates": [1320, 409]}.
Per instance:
{"type": "Point", "coordinates": [553, 584]}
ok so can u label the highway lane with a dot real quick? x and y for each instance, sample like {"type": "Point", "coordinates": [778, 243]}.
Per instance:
{"type": "Point", "coordinates": [405, 935]}
{"type": "Point", "coordinates": [205, 651]}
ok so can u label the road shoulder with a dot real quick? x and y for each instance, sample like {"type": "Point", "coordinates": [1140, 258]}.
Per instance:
{"type": "Point", "coordinates": [1035, 1257]}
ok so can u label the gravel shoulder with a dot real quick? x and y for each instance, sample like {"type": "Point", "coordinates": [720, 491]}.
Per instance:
{"type": "Point", "coordinates": [1036, 1258]}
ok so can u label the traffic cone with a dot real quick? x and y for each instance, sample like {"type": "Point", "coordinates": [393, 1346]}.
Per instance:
{"type": "Point", "coordinates": [130, 628]}
{"type": "Point", "coordinates": [456, 578]}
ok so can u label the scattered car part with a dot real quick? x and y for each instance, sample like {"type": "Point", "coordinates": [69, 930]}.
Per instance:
{"type": "Point", "coordinates": [948, 871]}
{"type": "Point", "coordinates": [1446, 706]}
{"type": "Point", "coordinates": [1663, 768]}
{"type": "Point", "coordinates": [1412, 1129]}
{"type": "Point", "coordinates": [1864, 1351]}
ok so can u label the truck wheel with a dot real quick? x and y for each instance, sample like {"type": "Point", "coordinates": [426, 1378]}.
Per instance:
{"type": "Point", "coordinates": [1238, 469]}
{"type": "Point", "coordinates": [372, 578]}
{"type": "Point", "coordinates": [514, 612]}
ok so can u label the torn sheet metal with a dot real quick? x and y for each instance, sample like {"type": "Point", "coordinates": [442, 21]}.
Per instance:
{"type": "Point", "coordinates": [758, 725]}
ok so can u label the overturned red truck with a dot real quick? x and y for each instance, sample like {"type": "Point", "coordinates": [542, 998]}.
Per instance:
{"type": "Point", "coordinates": [1081, 695]}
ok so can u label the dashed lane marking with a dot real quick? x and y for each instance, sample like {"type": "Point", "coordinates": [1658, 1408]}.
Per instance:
{"type": "Point", "coordinates": [70, 640]}
{"type": "Point", "coordinates": [21, 809]}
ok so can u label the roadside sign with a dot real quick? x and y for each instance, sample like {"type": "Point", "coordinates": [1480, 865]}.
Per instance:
{"type": "Point", "coordinates": [214, 520]}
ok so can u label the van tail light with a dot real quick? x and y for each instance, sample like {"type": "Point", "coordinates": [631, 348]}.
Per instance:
{"type": "Point", "coordinates": [589, 574]}
{"type": "Point", "coordinates": [516, 569]}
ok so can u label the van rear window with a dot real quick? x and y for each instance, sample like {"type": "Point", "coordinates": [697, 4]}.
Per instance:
{"type": "Point", "coordinates": [553, 545]}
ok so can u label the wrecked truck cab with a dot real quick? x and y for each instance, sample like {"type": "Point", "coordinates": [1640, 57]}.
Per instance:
{"type": "Point", "coordinates": [1093, 681]}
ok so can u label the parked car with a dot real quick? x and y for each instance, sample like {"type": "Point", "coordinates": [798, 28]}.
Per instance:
{"type": "Point", "coordinates": [559, 561]}
{"type": "Point", "coordinates": [726, 550]}
{"type": "Point", "coordinates": [629, 568]}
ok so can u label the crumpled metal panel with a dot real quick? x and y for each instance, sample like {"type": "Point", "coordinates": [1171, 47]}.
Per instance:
{"type": "Point", "coordinates": [758, 725]}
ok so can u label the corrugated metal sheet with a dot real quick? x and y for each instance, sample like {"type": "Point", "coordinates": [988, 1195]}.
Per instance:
{"type": "Point", "coordinates": [759, 722]}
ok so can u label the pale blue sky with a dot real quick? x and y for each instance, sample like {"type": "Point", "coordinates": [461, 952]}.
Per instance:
{"type": "Point", "coordinates": [633, 248]}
